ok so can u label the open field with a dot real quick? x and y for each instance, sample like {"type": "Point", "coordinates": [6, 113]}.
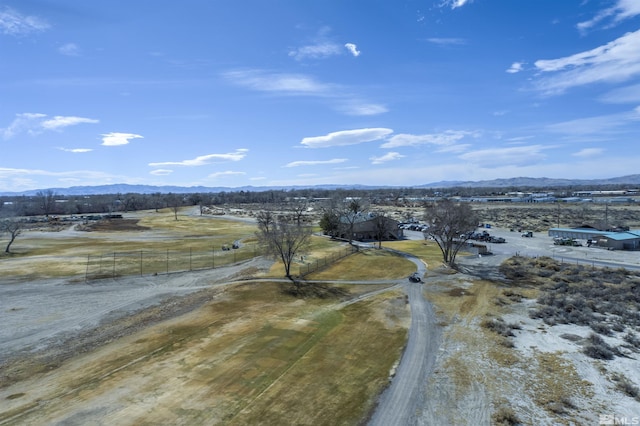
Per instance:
{"type": "Point", "coordinates": [250, 355]}
{"type": "Point", "coordinates": [229, 346]}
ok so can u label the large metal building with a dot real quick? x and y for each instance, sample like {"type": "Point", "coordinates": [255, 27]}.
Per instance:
{"type": "Point", "coordinates": [624, 240]}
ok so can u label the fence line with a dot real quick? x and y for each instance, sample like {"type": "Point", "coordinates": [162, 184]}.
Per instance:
{"type": "Point", "coordinates": [155, 262]}
{"type": "Point", "coordinates": [326, 261]}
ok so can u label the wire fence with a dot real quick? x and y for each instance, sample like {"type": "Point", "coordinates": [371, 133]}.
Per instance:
{"type": "Point", "coordinates": [155, 262]}
{"type": "Point", "coordinates": [318, 264]}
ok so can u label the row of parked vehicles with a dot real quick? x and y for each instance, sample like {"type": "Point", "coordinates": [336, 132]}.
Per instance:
{"type": "Point", "coordinates": [486, 237]}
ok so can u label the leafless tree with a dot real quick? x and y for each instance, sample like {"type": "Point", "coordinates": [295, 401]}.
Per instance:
{"type": "Point", "coordinates": [349, 212]}
{"type": "Point", "coordinates": [282, 238]}
{"type": "Point", "coordinates": [298, 208]}
{"type": "Point", "coordinates": [47, 201]}
{"type": "Point", "coordinates": [450, 225]}
{"type": "Point", "coordinates": [11, 227]}
{"type": "Point", "coordinates": [382, 226]}
{"type": "Point", "coordinates": [174, 201]}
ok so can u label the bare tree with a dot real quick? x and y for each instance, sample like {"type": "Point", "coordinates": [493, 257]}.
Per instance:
{"type": "Point", "coordinates": [281, 238]}
{"type": "Point", "coordinates": [174, 201]}
{"type": "Point", "coordinates": [298, 209]}
{"type": "Point", "coordinates": [350, 211]}
{"type": "Point", "coordinates": [47, 201]}
{"type": "Point", "coordinates": [382, 226]}
{"type": "Point", "coordinates": [450, 225]}
{"type": "Point", "coordinates": [11, 227]}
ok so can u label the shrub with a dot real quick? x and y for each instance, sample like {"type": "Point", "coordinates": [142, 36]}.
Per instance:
{"type": "Point", "coordinates": [601, 328]}
{"type": "Point", "coordinates": [505, 416]}
{"type": "Point", "coordinates": [632, 339]}
{"type": "Point", "coordinates": [597, 348]}
{"type": "Point", "coordinates": [625, 386]}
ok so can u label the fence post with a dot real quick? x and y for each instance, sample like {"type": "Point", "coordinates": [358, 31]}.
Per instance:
{"type": "Point", "coordinates": [140, 262]}
{"type": "Point", "coordinates": [113, 275]}
{"type": "Point", "coordinates": [86, 273]}
{"type": "Point", "coordinates": [190, 252]}
{"type": "Point", "coordinates": [167, 261]}
{"type": "Point", "coordinates": [213, 257]}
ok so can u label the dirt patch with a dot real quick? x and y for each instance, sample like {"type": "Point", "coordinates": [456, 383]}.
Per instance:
{"type": "Point", "coordinates": [112, 225]}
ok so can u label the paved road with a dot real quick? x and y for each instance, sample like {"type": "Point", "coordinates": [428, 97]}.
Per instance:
{"type": "Point", "coordinates": [402, 401]}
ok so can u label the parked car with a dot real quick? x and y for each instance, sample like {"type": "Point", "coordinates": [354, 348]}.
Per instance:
{"type": "Point", "coordinates": [415, 278]}
{"type": "Point", "coordinates": [527, 234]}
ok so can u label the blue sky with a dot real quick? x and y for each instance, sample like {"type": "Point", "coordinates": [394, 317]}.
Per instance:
{"type": "Point", "coordinates": [290, 92]}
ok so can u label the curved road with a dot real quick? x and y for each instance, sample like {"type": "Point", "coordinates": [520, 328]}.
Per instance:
{"type": "Point", "coordinates": [400, 402]}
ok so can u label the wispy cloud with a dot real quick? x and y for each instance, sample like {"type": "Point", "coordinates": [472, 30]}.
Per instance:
{"type": "Point", "coordinates": [24, 122]}
{"type": "Point", "coordinates": [588, 152]}
{"type": "Point", "coordinates": [35, 123]}
{"type": "Point", "coordinates": [597, 124]}
{"type": "Point", "coordinates": [276, 82]}
{"type": "Point", "coordinates": [516, 67]}
{"type": "Point", "coordinates": [76, 150]}
{"type": "Point", "coordinates": [353, 49]}
{"type": "Point", "coordinates": [615, 61]}
{"type": "Point", "coordinates": [161, 172]}
{"type": "Point", "coordinates": [69, 49]}
{"type": "Point", "coordinates": [316, 162]}
{"type": "Point", "coordinates": [203, 160]}
{"type": "Point", "coordinates": [287, 84]}
{"type": "Point", "coordinates": [447, 41]}
{"type": "Point", "coordinates": [454, 4]}
{"type": "Point", "coordinates": [622, 95]}
{"type": "Point", "coordinates": [623, 9]}
{"type": "Point", "coordinates": [448, 137]}
{"type": "Point", "coordinates": [320, 50]}
{"type": "Point", "coordinates": [354, 107]}
{"type": "Point", "coordinates": [512, 156]}
{"type": "Point", "coordinates": [60, 121]}
{"type": "Point", "coordinates": [389, 156]}
{"type": "Point", "coordinates": [117, 139]}
{"type": "Point", "coordinates": [225, 173]}
{"type": "Point", "coordinates": [14, 23]}
{"type": "Point", "coordinates": [346, 137]}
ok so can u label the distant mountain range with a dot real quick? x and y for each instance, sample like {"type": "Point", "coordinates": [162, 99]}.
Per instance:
{"type": "Point", "coordinates": [518, 182]}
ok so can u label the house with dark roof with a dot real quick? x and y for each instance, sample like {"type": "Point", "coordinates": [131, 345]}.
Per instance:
{"type": "Point", "coordinates": [365, 226]}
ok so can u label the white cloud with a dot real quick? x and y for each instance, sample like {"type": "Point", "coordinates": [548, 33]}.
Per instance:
{"type": "Point", "coordinates": [226, 173]}
{"type": "Point", "coordinates": [203, 160]}
{"type": "Point", "coordinates": [116, 139]}
{"type": "Point", "coordinates": [448, 137]}
{"type": "Point", "coordinates": [15, 24]}
{"type": "Point", "coordinates": [161, 172]}
{"type": "Point", "coordinates": [511, 156]}
{"type": "Point", "coordinates": [447, 41]}
{"type": "Point", "coordinates": [69, 49]}
{"type": "Point", "coordinates": [596, 124]}
{"type": "Point", "coordinates": [319, 50]}
{"type": "Point", "coordinates": [316, 162]}
{"type": "Point", "coordinates": [456, 149]}
{"type": "Point", "coordinates": [353, 49]}
{"type": "Point", "coordinates": [454, 4]}
{"type": "Point", "coordinates": [25, 122]}
{"type": "Point", "coordinates": [615, 61]}
{"type": "Point", "coordinates": [389, 156]}
{"type": "Point", "coordinates": [516, 67]}
{"type": "Point", "coordinates": [34, 123]}
{"type": "Point", "coordinates": [623, 9]}
{"type": "Point", "coordinates": [621, 95]}
{"type": "Point", "coordinates": [11, 178]}
{"type": "Point", "coordinates": [76, 150]}
{"type": "Point", "coordinates": [346, 137]}
{"type": "Point", "coordinates": [276, 82]}
{"type": "Point", "coordinates": [59, 121]}
{"type": "Point", "coordinates": [588, 152]}
{"type": "Point", "coordinates": [362, 109]}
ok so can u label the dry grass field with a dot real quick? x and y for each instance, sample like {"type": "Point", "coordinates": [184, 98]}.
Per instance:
{"type": "Point", "coordinates": [553, 344]}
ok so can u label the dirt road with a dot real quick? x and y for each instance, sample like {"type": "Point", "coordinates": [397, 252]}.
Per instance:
{"type": "Point", "coordinates": [404, 399]}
